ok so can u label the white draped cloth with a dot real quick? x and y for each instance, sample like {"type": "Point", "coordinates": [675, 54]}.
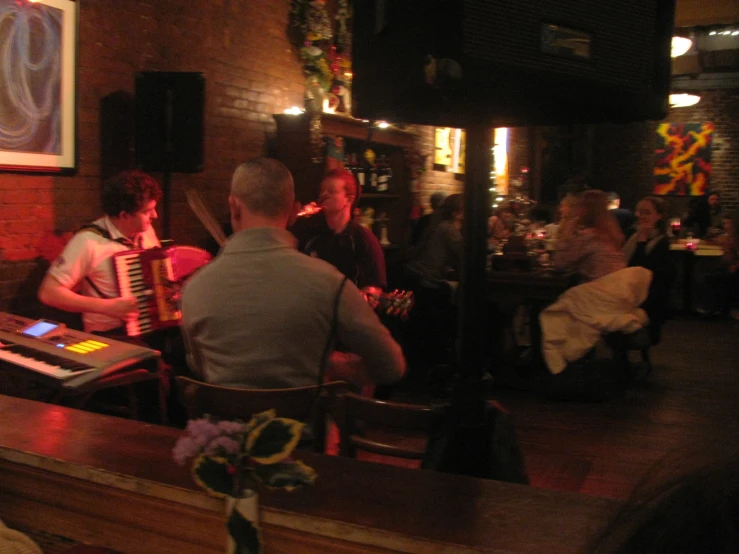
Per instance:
{"type": "Point", "coordinates": [15, 542]}
{"type": "Point", "coordinates": [575, 322]}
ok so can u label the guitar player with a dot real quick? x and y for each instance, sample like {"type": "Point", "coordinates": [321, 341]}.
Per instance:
{"type": "Point", "coordinates": [334, 236]}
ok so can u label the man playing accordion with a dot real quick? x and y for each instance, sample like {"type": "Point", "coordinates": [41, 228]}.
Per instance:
{"type": "Point", "coordinates": [82, 279]}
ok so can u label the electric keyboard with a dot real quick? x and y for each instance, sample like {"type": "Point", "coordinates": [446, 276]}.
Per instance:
{"type": "Point", "coordinates": [64, 356]}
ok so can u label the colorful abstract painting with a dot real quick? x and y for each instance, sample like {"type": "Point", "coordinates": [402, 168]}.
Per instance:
{"type": "Point", "coordinates": [683, 159]}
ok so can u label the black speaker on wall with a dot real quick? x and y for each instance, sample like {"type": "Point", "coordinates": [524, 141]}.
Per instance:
{"type": "Point", "coordinates": [169, 121]}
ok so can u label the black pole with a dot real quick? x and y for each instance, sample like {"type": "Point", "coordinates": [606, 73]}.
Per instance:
{"type": "Point", "coordinates": [473, 332]}
{"type": "Point", "coordinates": [167, 166]}
{"type": "Point", "coordinates": [468, 448]}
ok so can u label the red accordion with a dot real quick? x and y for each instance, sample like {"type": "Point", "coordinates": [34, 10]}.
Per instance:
{"type": "Point", "coordinates": [154, 277]}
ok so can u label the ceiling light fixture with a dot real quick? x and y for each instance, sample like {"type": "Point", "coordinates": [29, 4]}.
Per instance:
{"type": "Point", "coordinates": [683, 100]}
{"type": "Point", "coordinates": [680, 45]}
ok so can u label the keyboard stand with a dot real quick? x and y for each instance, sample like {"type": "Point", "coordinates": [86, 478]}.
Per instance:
{"type": "Point", "coordinates": [36, 386]}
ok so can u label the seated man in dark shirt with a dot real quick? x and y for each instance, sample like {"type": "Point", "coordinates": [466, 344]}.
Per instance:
{"type": "Point", "coordinates": [334, 236]}
{"type": "Point", "coordinates": [626, 218]}
{"type": "Point", "coordinates": [440, 260]}
{"type": "Point", "coordinates": [430, 220]}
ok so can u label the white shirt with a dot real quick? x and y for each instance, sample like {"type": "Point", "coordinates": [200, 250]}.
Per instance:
{"type": "Point", "coordinates": [88, 254]}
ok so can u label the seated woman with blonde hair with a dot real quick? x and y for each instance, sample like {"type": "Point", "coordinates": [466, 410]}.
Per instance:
{"type": "Point", "coordinates": [590, 242]}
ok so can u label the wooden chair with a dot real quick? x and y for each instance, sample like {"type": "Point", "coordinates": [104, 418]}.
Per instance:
{"type": "Point", "coordinates": [365, 424]}
{"type": "Point", "coordinates": [307, 404]}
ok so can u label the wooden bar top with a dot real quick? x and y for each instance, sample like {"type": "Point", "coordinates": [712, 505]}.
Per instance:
{"type": "Point", "coordinates": [353, 506]}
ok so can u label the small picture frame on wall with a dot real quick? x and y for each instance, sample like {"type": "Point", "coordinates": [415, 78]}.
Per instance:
{"type": "Point", "coordinates": [38, 85]}
{"type": "Point", "coordinates": [449, 150]}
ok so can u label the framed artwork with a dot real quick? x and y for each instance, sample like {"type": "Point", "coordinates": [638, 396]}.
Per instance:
{"type": "Point", "coordinates": [37, 90]}
{"type": "Point", "coordinates": [449, 145]}
{"type": "Point", "coordinates": [683, 159]}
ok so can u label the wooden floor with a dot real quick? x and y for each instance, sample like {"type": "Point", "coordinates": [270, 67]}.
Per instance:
{"type": "Point", "coordinates": [604, 448]}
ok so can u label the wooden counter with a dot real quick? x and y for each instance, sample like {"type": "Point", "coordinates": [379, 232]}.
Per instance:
{"type": "Point", "coordinates": [112, 482]}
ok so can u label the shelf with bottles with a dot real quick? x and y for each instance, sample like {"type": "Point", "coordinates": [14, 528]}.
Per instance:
{"type": "Point", "coordinates": [379, 169]}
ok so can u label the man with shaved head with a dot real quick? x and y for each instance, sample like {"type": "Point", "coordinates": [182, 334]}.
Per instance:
{"type": "Point", "coordinates": [262, 315]}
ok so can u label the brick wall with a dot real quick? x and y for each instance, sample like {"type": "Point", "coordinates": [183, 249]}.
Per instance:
{"type": "Point", "coordinates": [622, 160]}
{"type": "Point", "coordinates": [251, 72]}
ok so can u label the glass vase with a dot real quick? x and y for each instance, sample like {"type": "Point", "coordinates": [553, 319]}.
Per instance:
{"type": "Point", "coordinates": [242, 524]}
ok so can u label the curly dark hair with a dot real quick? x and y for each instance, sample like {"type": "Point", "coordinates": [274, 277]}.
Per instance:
{"type": "Point", "coordinates": [129, 191]}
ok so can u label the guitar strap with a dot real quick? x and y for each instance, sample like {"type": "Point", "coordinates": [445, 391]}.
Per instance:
{"type": "Point", "coordinates": [326, 352]}
{"type": "Point", "coordinates": [95, 228]}
{"type": "Point", "coordinates": [332, 332]}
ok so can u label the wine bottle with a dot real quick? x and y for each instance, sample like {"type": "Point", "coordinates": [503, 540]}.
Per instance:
{"type": "Point", "coordinates": [359, 173]}
{"type": "Point", "coordinates": [388, 176]}
{"type": "Point", "coordinates": [372, 178]}
{"type": "Point", "coordinates": [382, 174]}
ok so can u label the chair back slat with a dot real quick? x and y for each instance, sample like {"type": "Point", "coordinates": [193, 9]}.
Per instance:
{"type": "Point", "coordinates": [411, 417]}
{"type": "Point", "coordinates": [351, 409]}
{"type": "Point", "coordinates": [384, 449]}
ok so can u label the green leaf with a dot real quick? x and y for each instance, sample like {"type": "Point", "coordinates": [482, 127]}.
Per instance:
{"type": "Point", "coordinates": [286, 475]}
{"type": "Point", "coordinates": [259, 419]}
{"type": "Point", "coordinates": [244, 533]}
{"type": "Point", "coordinates": [274, 441]}
{"type": "Point", "coordinates": [213, 475]}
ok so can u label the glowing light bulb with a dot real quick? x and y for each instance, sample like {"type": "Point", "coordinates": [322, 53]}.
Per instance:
{"type": "Point", "coordinates": [683, 100]}
{"type": "Point", "coordinates": [680, 45]}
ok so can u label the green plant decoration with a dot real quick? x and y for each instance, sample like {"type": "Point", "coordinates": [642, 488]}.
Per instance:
{"type": "Point", "coordinates": [232, 457]}
{"type": "Point", "coordinates": [325, 54]}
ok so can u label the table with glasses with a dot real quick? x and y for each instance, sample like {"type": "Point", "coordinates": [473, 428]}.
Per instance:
{"type": "Point", "coordinates": [692, 258]}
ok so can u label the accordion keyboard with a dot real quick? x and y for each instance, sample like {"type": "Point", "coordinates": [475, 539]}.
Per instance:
{"type": "Point", "coordinates": [130, 276]}
{"type": "Point", "coordinates": [147, 276]}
